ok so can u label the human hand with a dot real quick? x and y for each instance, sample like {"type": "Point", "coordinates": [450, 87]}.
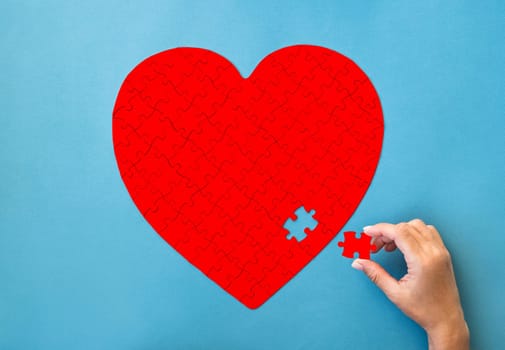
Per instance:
{"type": "Point", "coordinates": [428, 293]}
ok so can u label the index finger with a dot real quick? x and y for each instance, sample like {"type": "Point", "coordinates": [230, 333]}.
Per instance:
{"type": "Point", "coordinates": [401, 234]}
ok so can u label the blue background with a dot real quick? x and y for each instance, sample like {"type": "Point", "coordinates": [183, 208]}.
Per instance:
{"type": "Point", "coordinates": [81, 269]}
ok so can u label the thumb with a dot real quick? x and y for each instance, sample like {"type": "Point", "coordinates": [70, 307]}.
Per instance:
{"type": "Point", "coordinates": [377, 275]}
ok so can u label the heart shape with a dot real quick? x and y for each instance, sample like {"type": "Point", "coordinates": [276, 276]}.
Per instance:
{"type": "Point", "coordinates": [217, 163]}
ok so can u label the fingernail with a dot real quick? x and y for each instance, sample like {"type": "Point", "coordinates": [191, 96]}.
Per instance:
{"type": "Point", "coordinates": [366, 228]}
{"type": "Point", "coordinates": [357, 265]}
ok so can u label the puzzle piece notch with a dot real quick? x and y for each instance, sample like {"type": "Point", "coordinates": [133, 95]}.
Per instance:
{"type": "Point", "coordinates": [301, 224]}
{"type": "Point", "coordinates": [352, 244]}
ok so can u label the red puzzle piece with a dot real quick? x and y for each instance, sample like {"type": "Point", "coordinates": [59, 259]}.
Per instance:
{"type": "Point", "coordinates": [360, 245]}
{"type": "Point", "coordinates": [217, 163]}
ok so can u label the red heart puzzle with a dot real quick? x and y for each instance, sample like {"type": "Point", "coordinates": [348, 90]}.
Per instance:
{"type": "Point", "coordinates": [217, 163]}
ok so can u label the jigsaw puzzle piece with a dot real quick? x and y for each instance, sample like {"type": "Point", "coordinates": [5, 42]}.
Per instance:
{"type": "Point", "coordinates": [352, 245]}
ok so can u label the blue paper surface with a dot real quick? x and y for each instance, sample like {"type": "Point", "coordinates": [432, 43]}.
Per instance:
{"type": "Point", "coordinates": [81, 269]}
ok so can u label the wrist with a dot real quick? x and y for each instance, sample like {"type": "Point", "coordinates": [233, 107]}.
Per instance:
{"type": "Point", "coordinates": [449, 335]}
